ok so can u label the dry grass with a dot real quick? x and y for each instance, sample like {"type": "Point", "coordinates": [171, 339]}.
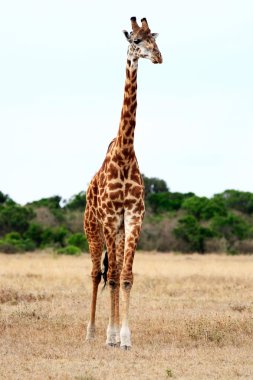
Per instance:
{"type": "Point", "coordinates": [191, 318]}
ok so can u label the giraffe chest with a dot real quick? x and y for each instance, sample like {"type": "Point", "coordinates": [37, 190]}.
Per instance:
{"type": "Point", "coordinates": [118, 193]}
{"type": "Point", "coordinates": [116, 190]}
{"type": "Point", "coordinates": [121, 193]}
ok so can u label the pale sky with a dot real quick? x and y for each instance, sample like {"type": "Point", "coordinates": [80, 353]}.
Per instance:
{"type": "Point", "coordinates": [62, 72]}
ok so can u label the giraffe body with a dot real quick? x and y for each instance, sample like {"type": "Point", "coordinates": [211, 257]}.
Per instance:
{"type": "Point", "coordinates": [115, 198]}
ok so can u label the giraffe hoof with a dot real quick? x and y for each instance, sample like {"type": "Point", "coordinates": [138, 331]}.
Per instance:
{"type": "Point", "coordinates": [91, 332]}
{"type": "Point", "coordinates": [111, 345]}
{"type": "Point", "coordinates": [90, 336]}
{"type": "Point", "coordinates": [89, 339]}
{"type": "Point", "coordinates": [125, 348]}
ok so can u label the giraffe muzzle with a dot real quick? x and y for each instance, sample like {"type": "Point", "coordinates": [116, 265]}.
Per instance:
{"type": "Point", "coordinates": [157, 58]}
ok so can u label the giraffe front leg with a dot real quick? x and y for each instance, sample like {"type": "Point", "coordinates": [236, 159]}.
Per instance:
{"type": "Point", "coordinates": [110, 233]}
{"type": "Point", "coordinates": [111, 331]}
{"type": "Point", "coordinates": [117, 325]}
{"type": "Point", "coordinates": [125, 333]}
{"type": "Point", "coordinates": [132, 232]}
{"type": "Point", "coordinates": [120, 244]}
{"type": "Point", "coordinates": [91, 325]}
{"type": "Point", "coordinates": [95, 240]}
{"type": "Point", "coordinates": [96, 278]}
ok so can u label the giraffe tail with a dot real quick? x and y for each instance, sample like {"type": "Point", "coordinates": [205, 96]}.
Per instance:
{"type": "Point", "coordinates": [105, 269]}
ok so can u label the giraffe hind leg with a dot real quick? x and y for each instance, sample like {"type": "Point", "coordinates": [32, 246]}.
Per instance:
{"type": "Point", "coordinates": [111, 232]}
{"type": "Point", "coordinates": [113, 333]}
{"type": "Point", "coordinates": [120, 244]}
{"type": "Point", "coordinates": [132, 233]}
{"type": "Point", "coordinates": [96, 243]}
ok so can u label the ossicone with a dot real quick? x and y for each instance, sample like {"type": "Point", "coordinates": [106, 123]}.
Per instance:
{"type": "Point", "coordinates": [135, 26]}
{"type": "Point", "coordinates": [144, 23]}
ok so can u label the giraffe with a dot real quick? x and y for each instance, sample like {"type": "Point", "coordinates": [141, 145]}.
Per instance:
{"type": "Point", "coordinates": [115, 198]}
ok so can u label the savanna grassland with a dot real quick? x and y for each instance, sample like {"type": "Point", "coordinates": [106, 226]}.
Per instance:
{"type": "Point", "coordinates": [191, 318]}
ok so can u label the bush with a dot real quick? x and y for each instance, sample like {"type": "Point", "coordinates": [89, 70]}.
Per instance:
{"type": "Point", "coordinates": [5, 199]}
{"type": "Point", "coordinates": [154, 185]}
{"type": "Point", "coordinates": [204, 208]}
{"type": "Point", "coordinates": [35, 233]}
{"type": "Point", "coordinates": [14, 218]}
{"type": "Point", "coordinates": [7, 247]}
{"type": "Point", "coordinates": [192, 233]}
{"type": "Point", "coordinates": [43, 237]}
{"type": "Point", "coordinates": [77, 202]}
{"type": "Point", "coordinates": [51, 202]}
{"type": "Point", "coordinates": [79, 240]}
{"type": "Point", "coordinates": [70, 250]}
{"type": "Point", "coordinates": [54, 236]}
{"type": "Point", "coordinates": [232, 227]}
{"type": "Point", "coordinates": [13, 242]}
{"type": "Point", "coordinates": [162, 202]}
{"type": "Point", "coordinates": [238, 200]}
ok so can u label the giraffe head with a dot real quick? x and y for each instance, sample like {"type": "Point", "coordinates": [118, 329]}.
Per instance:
{"type": "Point", "coordinates": [142, 42]}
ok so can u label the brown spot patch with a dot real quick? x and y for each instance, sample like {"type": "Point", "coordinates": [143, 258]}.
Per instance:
{"type": "Point", "coordinates": [115, 186]}
{"type": "Point", "coordinates": [125, 152]}
{"type": "Point", "coordinates": [116, 195]}
{"type": "Point", "coordinates": [133, 107]}
{"type": "Point", "coordinates": [129, 131]}
{"type": "Point", "coordinates": [126, 115]}
{"type": "Point", "coordinates": [127, 101]}
{"type": "Point", "coordinates": [129, 203]}
{"type": "Point", "coordinates": [127, 87]}
{"type": "Point", "coordinates": [136, 191]}
{"type": "Point", "coordinates": [139, 208]}
{"type": "Point", "coordinates": [127, 188]}
{"type": "Point", "coordinates": [111, 219]}
{"type": "Point", "coordinates": [112, 172]}
{"type": "Point", "coordinates": [117, 205]}
{"type": "Point", "coordinates": [134, 76]}
{"type": "Point", "coordinates": [134, 87]}
{"type": "Point", "coordinates": [109, 204]}
{"type": "Point", "coordinates": [130, 245]}
{"type": "Point", "coordinates": [135, 176]}
{"type": "Point", "coordinates": [132, 123]}
{"type": "Point", "coordinates": [103, 197]}
{"type": "Point", "coordinates": [117, 158]}
{"type": "Point", "coordinates": [110, 211]}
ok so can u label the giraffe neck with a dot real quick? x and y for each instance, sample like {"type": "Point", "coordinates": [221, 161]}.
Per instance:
{"type": "Point", "coordinates": [125, 137]}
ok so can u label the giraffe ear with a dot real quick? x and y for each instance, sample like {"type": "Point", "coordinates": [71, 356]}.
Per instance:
{"type": "Point", "coordinates": [127, 35]}
{"type": "Point", "coordinates": [155, 35]}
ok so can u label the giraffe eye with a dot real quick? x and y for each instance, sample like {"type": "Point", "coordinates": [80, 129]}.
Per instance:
{"type": "Point", "coordinates": [137, 41]}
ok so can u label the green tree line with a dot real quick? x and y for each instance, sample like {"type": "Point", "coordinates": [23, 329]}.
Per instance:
{"type": "Point", "coordinates": [174, 222]}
